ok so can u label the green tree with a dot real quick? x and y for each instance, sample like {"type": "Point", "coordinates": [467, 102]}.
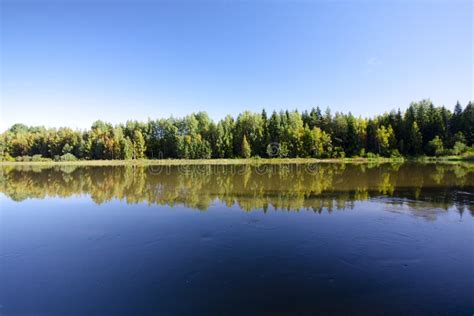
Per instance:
{"type": "Point", "coordinates": [415, 140]}
{"type": "Point", "coordinates": [459, 148]}
{"type": "Point", "coordinates": [138, 145]}
{"type": "Point", "coordinates": [317, 143]}
{"type": "Point", "coordinates": [435, 147]}
{"type": "Point", "coordinates": [467, 123]}
{"type": "Point", "coordinates": [246, 151]}
{"type": "Point", "coordinates": [126, 148]}
{"type": "Point", "coordinates": [67, 149]}
{"type": "Point", "coordinates": [250, 125]}
{"type": "Point", "coordinates": [225, 138]}
{"type": "Point", "coordinates": [352, 143]}
{"type": "Point", "coordinates": [293, 134]}
{"type": "Point", "coordinates": [385, 140]}
{"type": "Point", "coordinates": [274, 128]}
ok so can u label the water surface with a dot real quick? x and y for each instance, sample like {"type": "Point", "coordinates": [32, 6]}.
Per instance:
{"type": "Point", "coordinates": [327, 238]}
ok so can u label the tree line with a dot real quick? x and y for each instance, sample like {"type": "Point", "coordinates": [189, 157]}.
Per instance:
{"type": "Point", "coordinates": [423, 129]}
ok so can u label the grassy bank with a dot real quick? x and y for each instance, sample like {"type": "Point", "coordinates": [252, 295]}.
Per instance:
{"type": "Point", "coordinates": [236, 161]}
{"type": "Point", "coordinates": [447, 158]}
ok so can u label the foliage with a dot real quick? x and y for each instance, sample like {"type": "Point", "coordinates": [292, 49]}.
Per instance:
{"type": "Point", "coordinates": [67, 157]}
{"type": "Point", "coordinates": [435, 147]}
{"type": "Point", "coordinates": [459, 148]}
{"type": "Point", "coordinates": [422, 129]}
{"type": "Point", "coordinates": [138, 145]}
{"type": "Point", "coordinates": [385, 140]}
{"type": "Point", "coordinates": [246, 150]}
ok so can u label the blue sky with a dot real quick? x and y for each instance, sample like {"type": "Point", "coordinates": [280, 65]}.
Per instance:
{"type": "Point", "coordinates": [73, 62]}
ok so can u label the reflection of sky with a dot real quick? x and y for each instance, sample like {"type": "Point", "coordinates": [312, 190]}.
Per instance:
{"type": "Point", "coordinates": [124, 258]}
{"type": "Point", "coordinates": [418, 209]}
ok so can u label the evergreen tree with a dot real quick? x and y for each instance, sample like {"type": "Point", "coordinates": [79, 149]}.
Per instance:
{"type": "Point", "coordinates": [415, 140]}
{"type": "Point", "coordinates": [265, 134]}
{"type": "Point", "coordinates": [467, 123]}
{"type": "Point", "coordinates": [274, 128]}
{"type": "Point", "coordinates": [351, 145]}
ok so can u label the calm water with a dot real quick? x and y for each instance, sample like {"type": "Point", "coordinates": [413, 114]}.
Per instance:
{"type": "Point", "coordinates": [297, 239]}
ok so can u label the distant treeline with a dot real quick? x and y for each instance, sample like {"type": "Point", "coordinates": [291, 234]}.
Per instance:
{"type": "Point", "coordinates": [422, 129]}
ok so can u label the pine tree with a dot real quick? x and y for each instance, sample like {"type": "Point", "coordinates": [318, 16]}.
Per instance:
{"type": "Point", "coordinates": [415, 140]}
{"type": "Point", "coordinates": [467, 123]}
{"type": "Point", "coordinates": [265, 134]}
{"type": "Point", "coordinates": [352, 145]}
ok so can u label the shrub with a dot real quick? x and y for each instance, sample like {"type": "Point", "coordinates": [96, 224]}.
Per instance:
{"type": "Point", "coordinates": [23, 158]}
{"type": "Point", "coordinates": [395, 154]}
{"type": "Point", "coordinates": [36, 158]}
{"type": "Point", "coordinates": [7, 157]}
{"type": "Point", "coordinates": [459, 148]}
{"type": "Point", "coordinates": [68, 157]}
{"type": "Point", "coordinates": [435, 147]}
{"type": "Point", "coordinates": [371, 155]}
{"type": "Point", "coordinates": [339, 152]}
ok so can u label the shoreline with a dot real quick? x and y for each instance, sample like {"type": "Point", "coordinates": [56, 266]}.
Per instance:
{"type": "Point", "coordinates": [235, 161]}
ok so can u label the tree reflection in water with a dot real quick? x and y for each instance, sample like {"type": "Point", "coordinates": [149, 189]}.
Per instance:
{"type": "Point", "coordinates": [318, 187]}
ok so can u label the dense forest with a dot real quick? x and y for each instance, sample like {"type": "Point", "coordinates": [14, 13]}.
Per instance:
{"type": "Point", "coordinates": [423, 129]}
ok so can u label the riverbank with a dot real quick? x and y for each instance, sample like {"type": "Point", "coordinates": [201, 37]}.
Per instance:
{"type": "Point", "coordinates": [174, 162]}
{"type": "Point", "coordinates": [236, 161]}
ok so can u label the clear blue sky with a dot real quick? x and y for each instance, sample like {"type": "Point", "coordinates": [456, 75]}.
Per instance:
{"type": "Point", "coordinates": [72, 62]}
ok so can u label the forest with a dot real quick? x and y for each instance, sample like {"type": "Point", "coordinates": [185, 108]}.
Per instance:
{"type": "Point", "coordinates": [421, 130]}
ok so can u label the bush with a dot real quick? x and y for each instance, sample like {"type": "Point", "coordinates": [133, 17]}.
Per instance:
{"type": "Point", "coordinates": [67, 157]}
{"type": "Point", "coordinates": [23, 158]}
{"type": "Point", "coordinates": [34, 158]}
{"type": "Point", "coordinates": [372, 156]}
{"type": "Point", "coordinates": [459, 148]}
{"type": "Point", "coordinates": [7, 157]}
{"type": "Point", "coordinates": [395, 154]}
{"type": "Point", "coordinates": [435, 147]}
{"type": "Point", "coordinates": [339, 152]}
{"type": "Point", "coordinates": [37, 158]}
